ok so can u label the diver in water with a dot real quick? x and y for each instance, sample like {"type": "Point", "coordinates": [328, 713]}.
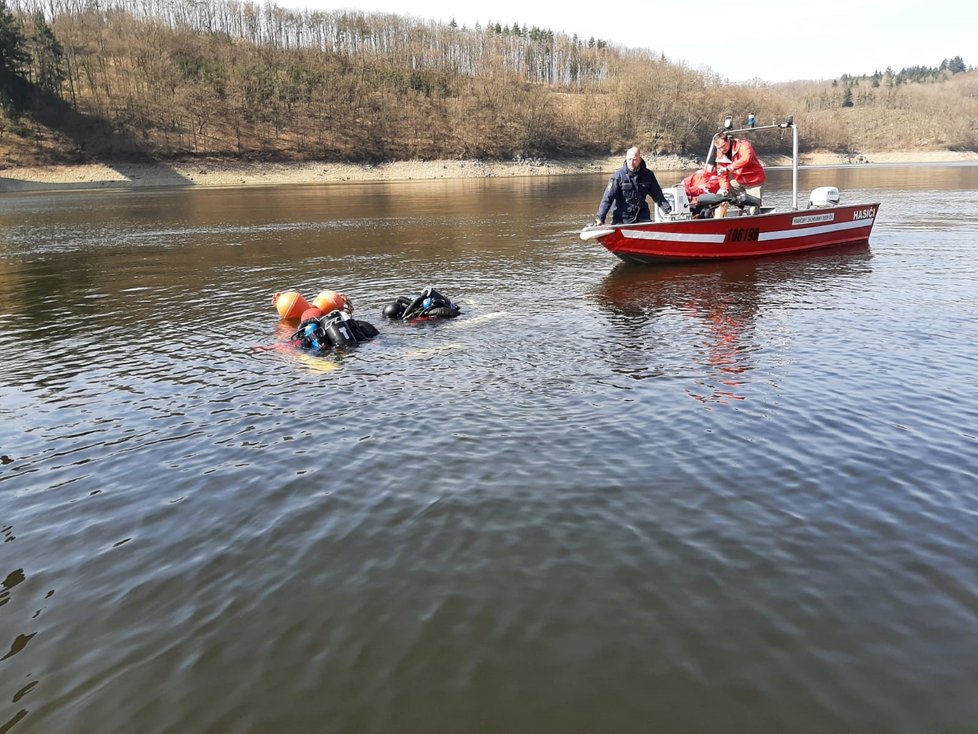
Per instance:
{"type": "Point", "coordinates": [426, 305]}
{"type": "Point", "coordinates": [335, 330]}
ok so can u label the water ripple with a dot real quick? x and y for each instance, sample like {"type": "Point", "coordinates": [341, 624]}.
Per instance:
{"type": "Point", "coordinates": [720, 497]}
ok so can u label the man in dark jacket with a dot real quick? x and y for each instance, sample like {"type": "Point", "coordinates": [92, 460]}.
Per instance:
{"type": "Point", "coordinates": [627, 191]}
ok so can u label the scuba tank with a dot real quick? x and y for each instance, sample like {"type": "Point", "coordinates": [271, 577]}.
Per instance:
{"type": "Point", "coordinates": [337, 330]}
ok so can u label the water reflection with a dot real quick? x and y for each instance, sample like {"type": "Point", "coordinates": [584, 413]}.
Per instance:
{"type": "Point", "coordinates": [14, 642]}
{"type": "Point", "coordinates": [699, 321]}
{"type": "Point", "coordinates": [13, 578]}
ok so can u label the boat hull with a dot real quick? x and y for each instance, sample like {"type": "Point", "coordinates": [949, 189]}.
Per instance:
{"type": "Point", "coordinates": [729, 238]}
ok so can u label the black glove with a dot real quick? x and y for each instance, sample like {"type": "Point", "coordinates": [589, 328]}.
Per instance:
{"type": "Point", "coordinates": [666, 209]}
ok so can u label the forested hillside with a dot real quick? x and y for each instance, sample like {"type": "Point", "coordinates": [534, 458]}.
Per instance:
{"type": "Point", "coordinates": [167, 79]}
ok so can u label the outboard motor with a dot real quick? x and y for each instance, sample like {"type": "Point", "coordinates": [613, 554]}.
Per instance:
{"type": "Point", "coordinates": [823, 196]}
{"type": "Point", "coordinates": [676, 196]}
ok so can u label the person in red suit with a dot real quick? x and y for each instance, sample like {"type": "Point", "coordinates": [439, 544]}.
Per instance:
{"type": "Point", "coordinates": [701, 181]}
{"type": "Point", "coordinates": [738, 167]}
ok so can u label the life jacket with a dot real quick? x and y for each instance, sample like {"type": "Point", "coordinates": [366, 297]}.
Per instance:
{"type": "Point", "coordinates": [335, 330]}
{"type": "Point", "coordinates": [425, 305]}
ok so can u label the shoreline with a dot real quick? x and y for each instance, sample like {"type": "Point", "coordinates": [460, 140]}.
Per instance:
{"type": "Point", "coordinates": [222, 173]}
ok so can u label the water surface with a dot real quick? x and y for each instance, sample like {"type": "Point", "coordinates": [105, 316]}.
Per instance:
{"type": "Point", "coordinates": [711, 498]}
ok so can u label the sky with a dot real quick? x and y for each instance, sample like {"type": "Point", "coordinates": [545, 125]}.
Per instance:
{"type": "Point", "coordinates": [761, 39]}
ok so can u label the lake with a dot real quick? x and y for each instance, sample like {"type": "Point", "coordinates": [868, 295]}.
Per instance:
{"type": "Point", "coordinates": [710, 498]}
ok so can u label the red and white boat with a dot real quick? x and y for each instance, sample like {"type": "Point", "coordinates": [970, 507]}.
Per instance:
{"type": "Point", "coordinates": [683, 237]}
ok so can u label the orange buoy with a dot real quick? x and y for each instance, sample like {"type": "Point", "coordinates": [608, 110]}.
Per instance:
{"type": "Point", "coordinates": [310, 313]}
{"type": "Point", "coordinates": [290, 304]}
{"type": "Point", "coordinates": [329, 300]}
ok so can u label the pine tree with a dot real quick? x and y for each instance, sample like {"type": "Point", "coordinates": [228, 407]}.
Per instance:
{"type": "Point", "coordinates": [956, 65]}
{"type": "Point", "coordinates": [48, 53]}
{"type": "Point", "coordinates": [13, 60]}
{"type": "Point", "coordinates": [13, 57]}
